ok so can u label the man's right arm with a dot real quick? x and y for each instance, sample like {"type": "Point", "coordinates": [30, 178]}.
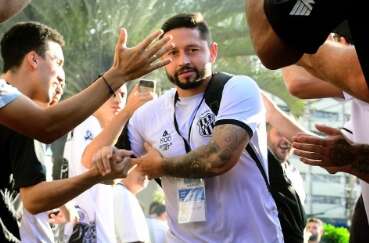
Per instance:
{"type": "Point", "coordinates": [279, 120]}
{"type": "Point", "coordinates": [339, 65]}
{"type": "Point", "coordinates": [44, 196]}
{"type": "Point", "coordinates": [8, 8]}
{"type": "Point", "coordinates": [303, 85]}
{"type": "Point", "coordinates": [109, 134]}
{"type": "Point", "coordinates": [46, 125]}
{"type": "Point", "coordinates": [268, 46]}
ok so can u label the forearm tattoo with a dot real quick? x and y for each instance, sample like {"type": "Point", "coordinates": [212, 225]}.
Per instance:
{"type": "Point", "coordinates": [211, 159]}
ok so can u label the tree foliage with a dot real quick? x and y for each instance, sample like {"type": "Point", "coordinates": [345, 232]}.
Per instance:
{"type": "Point", "coordinates": [334, 234]}
{"type": "Point", "coordinates": [90, 28]}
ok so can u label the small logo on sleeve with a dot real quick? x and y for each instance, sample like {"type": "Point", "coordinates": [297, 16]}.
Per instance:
{"type": "Point", "coordinates": [302, 8]}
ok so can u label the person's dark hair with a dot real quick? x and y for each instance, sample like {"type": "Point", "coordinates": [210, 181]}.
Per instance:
{"type": "Point", "coordinates": [156, 208]}
{"type": "Point", "coordinates": [23, 38]}
{"type": "Point", "coordinates": [190, 20]}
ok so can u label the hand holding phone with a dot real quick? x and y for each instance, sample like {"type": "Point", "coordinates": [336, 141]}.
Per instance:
{"type": "Point", "coordinates": [146, 85]}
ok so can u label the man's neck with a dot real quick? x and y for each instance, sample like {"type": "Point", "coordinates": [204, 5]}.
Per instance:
{"type": "Point", "coordinates": [21, 81]}
{"type": "Point", "coordinates": [130, 187]}
{"type": "Point", "coordinates": [194, 91]}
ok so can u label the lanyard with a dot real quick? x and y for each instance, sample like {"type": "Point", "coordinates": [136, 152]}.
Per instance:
{"type": "Point", "coordinates": [188, 140]}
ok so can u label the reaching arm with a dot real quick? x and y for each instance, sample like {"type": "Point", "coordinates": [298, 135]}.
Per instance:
{"type": "Point", "coordinates": [302, 84]}
{"type": "Point", "coordinates": [45, 196]}
{"type": "Point", "coordinates": [268, 46]}
{"type": "Point", "coordinates": [48, 195]}
{"type": "Point", "coordinates": [48, 124]}
{"type": "Point", "coordinates": [10, 8]}
{"type": "Point", "coordinates": [279, 120]}
{"type": "Point", "coordinates": [215, 158]}
{"type": "Point", "coordinates": [339, 65]}
{"type": "Point", "coordinates": [110, 133]}
{"type": "Point", "coordinates": [334, 152]}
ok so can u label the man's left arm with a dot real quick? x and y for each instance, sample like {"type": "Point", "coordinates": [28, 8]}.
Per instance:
{"type": "Point", "coordinates": [213, 159]}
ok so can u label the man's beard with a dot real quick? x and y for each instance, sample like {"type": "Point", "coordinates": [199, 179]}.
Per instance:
{"type": "Point", "coordinates": [200, 76]}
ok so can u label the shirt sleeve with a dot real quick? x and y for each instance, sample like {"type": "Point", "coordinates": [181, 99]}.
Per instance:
{"type": "Point", "coordinates": [8, 93]}
{"type": "Point", "coordinates": [241, 104]}
{"type": "Point", "coordinates": [127, 225]}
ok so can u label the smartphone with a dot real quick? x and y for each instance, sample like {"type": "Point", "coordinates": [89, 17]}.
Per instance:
{"type": "Point", "coordinates": [146, 85]}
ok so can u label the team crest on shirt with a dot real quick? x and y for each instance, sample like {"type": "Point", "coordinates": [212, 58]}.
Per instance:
{"type": "Point", "coordinates": [206, 124]}
{"type": "Point", "coordinates": [88, 135]}
{"type": "Point", "coordinates": [165, 141]}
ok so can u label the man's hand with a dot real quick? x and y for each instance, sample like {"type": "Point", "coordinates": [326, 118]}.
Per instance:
{"type": "Point", "coordinates": [137, 98]}
{"type": "Point", "coordinates": [151, 163]}
{"type": "Point", "coordinates": [112, 163]}
{"type": "Point", "coordinates": [331, 152]}
{"type": "Point", "coordinates": [132, 63]}
{"type": "Point", "coordinates": [64, 215]}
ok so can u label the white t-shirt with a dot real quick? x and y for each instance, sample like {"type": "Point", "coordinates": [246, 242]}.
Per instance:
{"type": "Point", "coordinates": [359, 122]}
{"type": "Point", "coordinates": [158, 230]}
{"type": "Point", "coordinates": [8, 93]}
{"type": "Point", "coordinates": [35, 228]}
{"type": "Point", "coordinates": [96, 202]}
{"type": "Point", "coordinates": [239, 207]}
{"type": "Point", "coordinates": [130, 222]}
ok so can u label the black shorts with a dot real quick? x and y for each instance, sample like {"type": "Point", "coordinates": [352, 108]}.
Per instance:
{"type": "Point", "coordinates": [305, 24]}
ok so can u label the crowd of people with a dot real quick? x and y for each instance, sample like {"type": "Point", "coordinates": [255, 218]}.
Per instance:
{"type": "Point", "coordinates": [216, 143]}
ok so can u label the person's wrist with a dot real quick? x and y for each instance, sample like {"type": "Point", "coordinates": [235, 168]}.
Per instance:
{"type": "Point", "coordinates": [114, 78]}
{"type": "Point", "coordinates": [95, 175]}
{"type": "Point", "coordinates": [360, 160]}
{"type": "Point", "coordinates": [129, 110]}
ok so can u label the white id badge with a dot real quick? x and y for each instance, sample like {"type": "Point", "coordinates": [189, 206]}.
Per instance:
{"type": "Point", "coordinates": [191, 200]}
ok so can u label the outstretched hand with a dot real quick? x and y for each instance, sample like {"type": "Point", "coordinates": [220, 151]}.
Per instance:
{"type": "Point", "coordinates": [134, 62]}
{"type": "Point", "coordinates": [332, 152]}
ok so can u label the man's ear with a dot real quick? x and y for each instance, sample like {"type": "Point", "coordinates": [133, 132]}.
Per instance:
{"type": "Point", "coordinates": [32, 59]}
{"type": "Point", "coordinates": [213, 52]}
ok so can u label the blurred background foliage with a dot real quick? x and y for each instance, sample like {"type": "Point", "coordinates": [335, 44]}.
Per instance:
{"type": "Point", "coordinates": [90, 29]}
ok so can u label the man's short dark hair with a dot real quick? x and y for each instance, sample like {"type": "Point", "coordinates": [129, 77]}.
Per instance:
{"type": "Point", "coordinates": [25, 37]}
{"type": "Point", "coordinates": [190, 20]}
{"type": "Point", "coordinates": [156, 208]}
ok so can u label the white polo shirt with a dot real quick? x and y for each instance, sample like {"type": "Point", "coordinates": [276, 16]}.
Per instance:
{"type": "Point", "coordinates": [8, 93]}
{"type": "Point", "coordinates": [239, 207]}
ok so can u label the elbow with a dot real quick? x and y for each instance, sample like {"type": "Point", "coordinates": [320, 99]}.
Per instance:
{"type": "Point", "coordinates": [46, 138]}
{"type": "Point", "coordinates": [295, 88]}
{"type": "Point", "coordinates": [267, 59]}
{"type": "Point", "coordinates": [32, 207]}
{"type": "Point", "coordinates": [222, 165]}
{"type": "Point", "coordinates": [270, 56]}
{"type": "Point", "coordinates": [46, 133]}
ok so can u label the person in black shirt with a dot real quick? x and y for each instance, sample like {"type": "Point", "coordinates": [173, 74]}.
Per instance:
{"type": "Point", "coordinates": [284, 31]}
{"type": "Point", "coordinates": [38, 60]}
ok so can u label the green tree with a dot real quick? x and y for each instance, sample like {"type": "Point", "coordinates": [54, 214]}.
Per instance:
{"type": "Point", "coordinates": [90, 29]}
{"type": "Point", "coordinates": [334, 234]}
